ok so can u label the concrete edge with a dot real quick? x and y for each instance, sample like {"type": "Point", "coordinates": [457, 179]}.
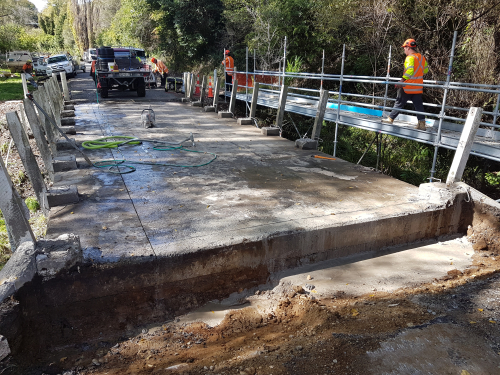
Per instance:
{"type": "Point", "coordinates": [47, 258]}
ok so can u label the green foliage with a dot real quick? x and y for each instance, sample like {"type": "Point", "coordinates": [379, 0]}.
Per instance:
{"type": "Point", "coordinates": [5, 252]}
{"type": "Point", "coordinates": [11, 89]}
{"type": "Point", "coordinates": [493, 178]}
{"type": "Point", "coordinates": [32, 204]}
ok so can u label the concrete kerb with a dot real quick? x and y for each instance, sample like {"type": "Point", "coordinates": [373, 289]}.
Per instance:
{"type": "Point", "coordinates": [46, 258]}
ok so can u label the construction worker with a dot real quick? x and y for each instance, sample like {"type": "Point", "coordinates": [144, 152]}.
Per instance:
{"type": "Point", "coordinates": [28, 71]}
{"type": "Point", "coordinates": [161, 68]}
{"type": "Point", "coordinates": [415, 68]}
{"type": "Point", "coordinates": [228, 63]}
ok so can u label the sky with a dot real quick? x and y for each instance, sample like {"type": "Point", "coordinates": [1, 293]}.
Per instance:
{"type": "Point", "coordinates": [40, 4]}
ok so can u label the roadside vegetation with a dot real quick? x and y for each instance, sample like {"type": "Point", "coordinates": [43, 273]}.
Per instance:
{"type": "Point", "coordinates": [11, 88]}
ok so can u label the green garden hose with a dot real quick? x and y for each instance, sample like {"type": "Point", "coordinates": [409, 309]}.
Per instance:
{"type": "Point", "coordinates": [113, 165]}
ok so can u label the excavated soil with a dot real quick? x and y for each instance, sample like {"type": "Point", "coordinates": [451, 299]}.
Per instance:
{"type": "Point", "coordinates": [290, 330]}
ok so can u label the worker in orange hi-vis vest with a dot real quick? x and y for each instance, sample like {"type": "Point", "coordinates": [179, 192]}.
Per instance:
{"type": "Point", "coordinates": [415, 68]}
{"type": "Point", "coordinates": [161, 68]}
{"type": "Point", "coordinates": [228, 63]}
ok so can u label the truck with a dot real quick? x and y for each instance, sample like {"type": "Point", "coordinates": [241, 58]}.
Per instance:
{"type": "Point", "coordinates": [119, 69]}
{"type": "Point", "coordinates": [16, 60]}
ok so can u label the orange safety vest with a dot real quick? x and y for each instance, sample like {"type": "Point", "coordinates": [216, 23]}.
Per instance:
{"type": "Point", "coordinates": [161, 67]}
{"type": "Point", "coordinates": [229, 62]}
{"type": "Point", "coordinates": [415, 68]}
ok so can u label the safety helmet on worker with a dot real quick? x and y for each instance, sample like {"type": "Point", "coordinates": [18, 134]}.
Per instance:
{"type": "Point", "coordinates": [227, 52]}
{"type": "Point", "coordinates": [153, 60]}
{"type": "Point", "coordinates": [28, 61]}
{"type": "Point", "coordinates": [409, 43]}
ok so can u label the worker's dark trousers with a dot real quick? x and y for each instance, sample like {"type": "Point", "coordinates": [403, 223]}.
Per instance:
{"type": "Point", "coordinates": [229, 81]}
{"type": "Point", "coordinates": [401, 100]}
{"type": "Point", "coordinates": [163, 79]}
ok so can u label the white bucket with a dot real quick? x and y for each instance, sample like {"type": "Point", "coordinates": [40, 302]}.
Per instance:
{"type": "Point", "coordinates": [111, 66]}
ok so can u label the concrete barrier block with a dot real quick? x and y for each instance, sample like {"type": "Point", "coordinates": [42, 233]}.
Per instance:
{"type": "Point", "coordinates": [69, 102]}
{"type": "Point", "coordinates": [209, 108]}
{"type": "Point", "coordinates": [62, 196]}
{"type": "Point", "coordinates": [245, 121]}
{"type": "Point", "coordinates": [270, 131]}
{"type": "Point", "coordinates": [306, 144]}
{"type": "Point", "coordinates": [69, 130]}
{"type": "Point", "coordinates": [20, 269]}
{"type": "Point", "coordinates": [68, 113]}
{"type": "Point", "coordinates": [185, 100]}
{"type": "Point", "coordinates": [196, 104]}
{"type": "Point", "coordinates": [4, 348]}
{"type": "Point", "coordinates": [68, 107]}
{"type": "Point", "coordinates": [64, 145]}
{"type": "Point", "coordinates": [68, 121]}
{"type": "Point", "coordinates": [64, 163]}
{"type": "Point", "coordinates": [225, 115]}
{"type": "Point", "coordinates": [56, 255]}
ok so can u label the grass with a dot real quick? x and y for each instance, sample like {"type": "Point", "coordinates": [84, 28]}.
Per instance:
{"type": "Point", "coordinates": [11, 89]}
{"type": "Point", "coordinates": [38, 224]}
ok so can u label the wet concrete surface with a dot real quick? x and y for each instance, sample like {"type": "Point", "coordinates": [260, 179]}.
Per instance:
{"type": "Point", "coordinates": [257, 186]}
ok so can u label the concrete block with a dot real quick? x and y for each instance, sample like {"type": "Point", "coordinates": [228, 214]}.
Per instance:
{"type": "Point", "coordinates": [56, 255]}
{"type": "Point", "coordinates": [185, 100]}
{"type": "Point", "coordinates": [62, 196]}
{"type": "Point", "coordinates": [68, 107]}
{"type": "Point", "coordinates": [64, 163]}
{"type": "Point", "coordinates": [225, 115]}
{"type": "Point", "coordinates": [270, 131]}
{"type": "Point", "coordinates": [20, 269]}
{"type": "Point", "coordinates": [69, 102]}
{"type": "Point", "coordinates": [306, 144]}
{"type": "Point", "coordinates": [69, 130]}
{"type": "Point", "coordinates": [64, 145]}
{"type": "Point", "coordinates": [245, 121]}
{"type": "Point", "coordinates": [436, 193]}
{"type": "Point", "coordinates": [4, 348]}
{"type": "Point", "coordinates": [68, 121]}
{"type": "Point", "coordinates": [196, 104]}
{"type": "Point", "coordinates": [67, 113]}
{"type": "Point", "coordinates": [209, 108]}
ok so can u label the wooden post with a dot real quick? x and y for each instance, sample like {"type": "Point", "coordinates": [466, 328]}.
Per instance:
{"type": "Point", "coordinates": [192, 86]}
{"type": "Point", "coordinates": [39, 135]}
{"type": "Point", "coordinates": [281, 107]}
{"type": "Point", "coordinates": [216, 93]}
{"type": "Point", "coordinates": [255, 95]}
{"type": "Point", "coordinates": [54, 103]}
{"type": "Point", "coordinates": [14, 211]}
{"type": "Point", "coordinates": [29, 161]}
{"type": "Point", "coordinates": [42, 99]}
{"type": "Point", "coordinates": [203, 89]}
{"type": "Point", "coordinates": [232, 103]}
{"type": "Point", "coordinates": [64, 82]}
{"type": "Point", "coordinates": [25, 84]}
{"type": "Point", "coordinates": [320, 114]}
{"type": "Point", "coordinates": [464, 145]}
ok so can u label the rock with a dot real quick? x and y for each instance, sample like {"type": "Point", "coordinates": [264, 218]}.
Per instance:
{"type": "Point", "coordinates": [454, 273]}
{"type": "Point", "coordinates": [4, 347]}
{"type": "Point", "coordinates": [299, 347]}
{"type": "Point", "coordinates": [96, 362]}
{"type": "Point", "coordinates": [309, 277]}
{"type": "Point", "coordinates": [480, 244]}
{"type": "Point", "coordinates": [309, 287]}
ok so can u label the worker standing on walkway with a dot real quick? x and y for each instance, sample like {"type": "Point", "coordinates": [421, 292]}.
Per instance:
{"type": "Point", "coordinates": [228, 63]}
{"type": "Point", "coordinates": [162, 69]}
{"type": "Point", "coordinates": [415, 68]}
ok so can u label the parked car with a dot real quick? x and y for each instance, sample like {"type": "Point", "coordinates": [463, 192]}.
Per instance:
{"type": "Point", "coordinates": [16, 60]}
{"type": "Point", "coordinates": [79, 64]}
{"type": "Point", "coordinates": [88, 54]}
{"type": "Point", "coordinates": [59, 63]}
{"type": "Point", "coordinates": [40, 66]}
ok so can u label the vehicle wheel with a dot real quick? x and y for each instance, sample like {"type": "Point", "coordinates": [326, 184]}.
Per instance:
{"type": "Point", "coordinates": [141, 89]}
{"type": "Point", "coordinates": [104, 92]}
{"type": "Point", "coordinates": [83, 70]}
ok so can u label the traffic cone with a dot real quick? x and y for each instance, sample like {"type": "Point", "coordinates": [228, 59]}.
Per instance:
{"type": "Point", "coordinates": [197, 91]}
{"type": "Point", "coordinates": [210, 92]}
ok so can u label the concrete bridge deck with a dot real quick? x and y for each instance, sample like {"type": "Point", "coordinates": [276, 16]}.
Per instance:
{"type": "Point", "coordinates": [258, 188]}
